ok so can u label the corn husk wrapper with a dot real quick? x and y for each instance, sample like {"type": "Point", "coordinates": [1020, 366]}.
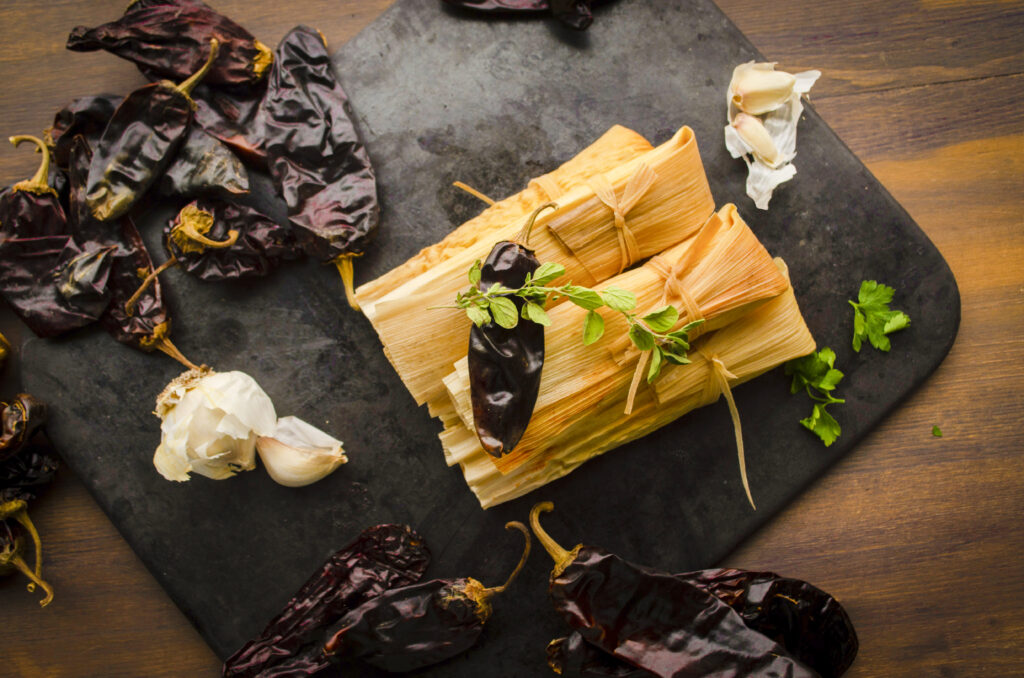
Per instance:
{"type": "Point", "coordinates": [718, 275]}
{"type": "Point", "coordinates": [672, 201]}
{"type": "Point", "coordinates": [769, 335]}
{"type": "Point", "coordinates": [764, 110]}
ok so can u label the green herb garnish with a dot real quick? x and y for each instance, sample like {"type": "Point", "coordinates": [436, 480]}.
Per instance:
{"type": "Point", "coordinates": [872, 318]}
{"type": "Point", "coordinates": [652, 332]}
{"type": "Point", "coordinates": [816, 374]}
{"type": "Point", "coordinates": [936, 431]}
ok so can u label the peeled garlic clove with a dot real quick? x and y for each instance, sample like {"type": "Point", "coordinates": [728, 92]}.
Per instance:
{"type": "Point", "coordinates": [758, 88]}
{"type": "Point", "coordinates": [298, 453]}
{"type": "Point", "coordinates": [753, 133]}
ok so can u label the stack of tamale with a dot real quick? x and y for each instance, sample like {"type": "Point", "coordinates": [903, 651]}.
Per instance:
{"type": "Point", "coordinates": [619, 203]}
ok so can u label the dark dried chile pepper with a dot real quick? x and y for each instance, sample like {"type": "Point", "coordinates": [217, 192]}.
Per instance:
{"type": "Point", "coordinates": [87, 116]}
{"type": "Point", "coordinates": [381, 558]}
{"type": "Point", "coordinates": [316, 159]}
{"type": "Point", "coordinates": [204, 166]}
{"type": "Point", "coordinates": [505, 363]}
{"type": "Point", "coordinates": [415, 626]}
{"type": "Point", "coordinates": [48, 280]}
{"type": "Point", "coordinates": [168, 37]}
{"type": "Point", "coordinates": [256, 244]}
{"type": "Point", "coordinates": [139, 142]}
{"type": "Point", "coordinates": [575, 14]}
{"type": "Point", "coordinates": [656, 621]}
{"type": "Point", "coordinates": [232, 115]}
{"type": "Point", "coordinates": [21, 419]}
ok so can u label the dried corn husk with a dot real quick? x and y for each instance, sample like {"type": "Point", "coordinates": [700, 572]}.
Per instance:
{"type": "Point", "coordinates": [717, 276]}
{"type": "Point", "coordinates": [662, 198]}
{"type": "Point", "coordinates": [764, 338]}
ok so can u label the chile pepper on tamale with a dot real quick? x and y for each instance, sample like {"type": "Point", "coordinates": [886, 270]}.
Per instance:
{"type": "Point", "coordinates": [415, 626]}
{"type": "Point", "coordinates": [255, 243]}
{"type": "Point", "coordinates": [51, 283]}
{"type": "Point", "coordinates": [168, 37]}
{"type": "Point", "coordinates": [381, 558]}
{"type": "Point", "coordinates": [317, 162]}
{"type": "Point", "coordinates": [505, 363]}
{"type": "Point", "coordinates": [139, 143]}
{"type": "Point", "coordinates": [655, 621]}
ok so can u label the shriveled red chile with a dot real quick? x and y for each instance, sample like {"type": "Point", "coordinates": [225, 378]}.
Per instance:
{"type": "Point", "coordinates": [86, 116]}
{"type": "Point", "coordinates": [170, 37]}
{"type": "Point", "coordinates": [231, 114]}
{"type": "Point", "coordinates": [204, 166]}
{"type": "Point", "coordinates": [245, 242]}
{"type": "Point", "coordinates": [415, 626]}
{"type": "Point", "coordinates": [381, 558]}
{"type": "Point", "coordinates": [655, 621]}
{"type": "Point", "coordinates": [139, 143]}
{"type": "Point", "coordinates": [575, 14]}
{"type": "Point", "coordinates": [317, 162]}
{"type": "Point", "coordinates": [505, 363]}
{"type": "Point", "coordinates": [53, 285]}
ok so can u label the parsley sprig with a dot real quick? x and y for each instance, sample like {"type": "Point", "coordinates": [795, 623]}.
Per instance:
{"type": "Point", "coordinates": [652, 332]}
{"type": "Point", "coordinates": [816, 374]}
{"type": "Point", "coordinates": [872, 317]}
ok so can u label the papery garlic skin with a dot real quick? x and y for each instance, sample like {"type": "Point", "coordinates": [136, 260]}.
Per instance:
{"type": "Point", "coordinates": [298, 453]}
{"type": "Point", "coordinates": [758, 88]}
{"type": "Point", "coordinates": [210, 423]}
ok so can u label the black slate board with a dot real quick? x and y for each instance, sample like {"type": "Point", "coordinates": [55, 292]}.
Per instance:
{"type": "Point", "coordinates": [440, 96]}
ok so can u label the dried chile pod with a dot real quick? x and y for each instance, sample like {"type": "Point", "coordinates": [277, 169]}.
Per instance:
{"type": "Point", "coordinates": [656, 621]}
{"type": "Point", "coordinates": [14, 524]}
{"type": "Point", "coordinates": [574, 657]}
{"type": "Point", "coordinates": [31, 208]}
{"type": "Point", "coordinates": [245, 242]}
{"type": "Point", "coordinates": [21, 418]}
{"type": "Point", "coordinates": [87, 116]}
{"type": "Point", "coordinates": [415, 626]}
{"type": "Point", "coordinates": [169, 37]}
{"type": "Point", "coordinates": [575, 14]}
{"type": "Point", "coordinates": [381, 558]}
{"type": "Point", "coordinates": [232, 115]}
{"type": "Point", "coordinates": [505, 363]}
{"type": "Point", "coordinates": [139, 143]}
{"type": "Point", "coordinates": [204, 166]}
{"type": "Point", "coordinates": [25, 474]}
{"type": "Point", "coordinates": [317, 162]}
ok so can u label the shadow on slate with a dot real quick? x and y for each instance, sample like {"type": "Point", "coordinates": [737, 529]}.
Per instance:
{"type": "Point", "coordinates": [440, 97]}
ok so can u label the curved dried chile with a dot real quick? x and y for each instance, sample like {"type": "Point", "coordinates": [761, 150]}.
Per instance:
{"type": "Point", "coordinates": [381, 558]}
{"type": "Point", "coordinates": [21, 419]}
{"type": "Point", "coordinates": [46, 278]}
{"type": "Point", "coordinates": [257, 244]}
{"type": "Point", "coordinates": [204, 166]}
{"type": "Point", "coordinates": [575, 14]}
{"type": "Point", "coordinates": [317, 162]}
{"type": "Point", "coordinates": [169, 38]}
{"type": "Point", "coordinates": [415, 626]}
{"type": "Point", "coordinates": [86, 116]}
{"type": "Point", "coordinates": [655, 621]}
{"type": "Point", "coordinates": [505, 363]}
{"type": "Point", "coordinates": [139, 143]}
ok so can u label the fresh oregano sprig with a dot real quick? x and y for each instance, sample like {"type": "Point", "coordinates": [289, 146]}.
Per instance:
{"type": "Point", "coordinates": [652, 332]}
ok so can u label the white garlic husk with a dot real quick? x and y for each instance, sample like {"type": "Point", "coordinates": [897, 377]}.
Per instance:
{"type": "Point", "coordinates": [772, 98]}
{"type": "Point", "coordinates": [210, 423]}
{"type": "Point", "coordinates": [298, 453]}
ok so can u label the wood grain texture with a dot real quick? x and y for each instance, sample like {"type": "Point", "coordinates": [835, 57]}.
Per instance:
{"type": "Point", "coordinates": [919, 536]}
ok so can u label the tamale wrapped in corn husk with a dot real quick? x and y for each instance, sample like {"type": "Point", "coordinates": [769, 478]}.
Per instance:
{"type": "Point", "coordinates": [716, 276]}
{"type": "Point", "coordinates": [616, 146]}
{"type": "Point", "coordinates": [769, 335]}
{"type": "Point", "coordinates": [657, 200]}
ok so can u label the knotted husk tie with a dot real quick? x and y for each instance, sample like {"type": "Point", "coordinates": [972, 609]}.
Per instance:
{"type": "Point", "coordinates": [635, 189]}
{"type": "Point", "coordinates": [473, 192]}
{"type": "Point", "coordinates": [548, 185]}
{"type": "Point", "coordinates": [718, 383]}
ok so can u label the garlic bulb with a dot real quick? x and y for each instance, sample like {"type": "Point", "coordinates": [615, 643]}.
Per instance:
{"type": "Point", "coordinates": [298, 453]}
{"type": "Point", "coordinates": [210, 422]}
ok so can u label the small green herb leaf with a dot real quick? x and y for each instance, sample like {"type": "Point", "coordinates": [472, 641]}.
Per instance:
{"type": "Point", "coordinates": [655, 369]}
{"type": "Point", "coordinates": [583, 297]}
{"type": "Point", "coordinates": [814, 371]}
{"type": "Point", "coordinates": [619, 300]}
{"type": "Point", "coordinates": [547, 272]}
{"type": "Point", "coordinates": [641, 338]}
{"type": "Point", "coordinates": [936, 431]}
{"type": "Point", "coordinates": [474, 273]}
{"type": "Point", "coordinates": [662, 320]}
{"type": "Point", "coordinates": [504, 312]}
{"type": "Point", "coordinates": [822, 424]}
{"type": "Point", "coordinates": [691, 326]}
{"type": "Point", "coordinates": [593, 328]}
{"type": "Point", "coordinates": [532, 311]}
{"type": "Point", "coordinates": [873, 319]}
{"type": "Point", "coordinates": [478, 316]}
{"type": "Point", "coordinates": [676, 358]}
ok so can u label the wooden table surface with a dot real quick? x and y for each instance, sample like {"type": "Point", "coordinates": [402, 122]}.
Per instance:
{"type": "Point", "coordinates": [921, 537]}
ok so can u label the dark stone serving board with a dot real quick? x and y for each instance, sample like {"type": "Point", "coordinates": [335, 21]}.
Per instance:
{"type": "Point", "coordinates": [440, 96]}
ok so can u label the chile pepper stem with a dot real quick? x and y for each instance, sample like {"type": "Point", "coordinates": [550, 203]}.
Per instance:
{"type": "Point", "coordinates": [36, 579]}
{"type": "Point", "coordinates": [164, 345]}
{"type": "Point", "coordinates": [39, 181]}
{"type": "Point", "coordinates": [18, 509]}
{"type": "Point", "coordinates": [347, 272]}
{"type": "Point", "coordinates": [513, 525]}
{"type": "Point", "coordinates": [187, 86]}
{"type": "Point", "coordinates": [129, 306]}
{"type": "Point", "coordinates": [524, 235]}
{"type": "Point", "coordinates": [557, 553]}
